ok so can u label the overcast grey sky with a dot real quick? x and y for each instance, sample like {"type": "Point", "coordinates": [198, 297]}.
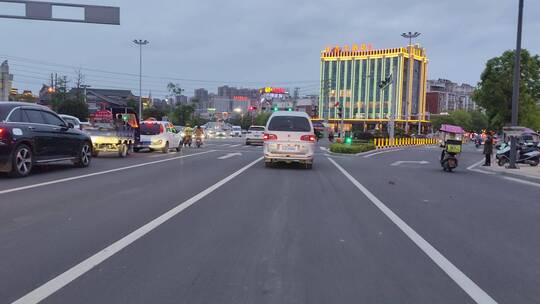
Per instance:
{"type": "Point", "coordinates": [252, 43]}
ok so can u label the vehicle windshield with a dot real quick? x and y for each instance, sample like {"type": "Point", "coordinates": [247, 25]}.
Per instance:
{"type": "Point", "coordinates": [151, 128]}
{"type": "Point", "coordinates": [289, 123]}
{"type": "Point", "coordinates": [256, 129]}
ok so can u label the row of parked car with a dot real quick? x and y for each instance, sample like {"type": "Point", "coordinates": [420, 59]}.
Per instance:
{"type": "Point", "coordinates": [31, 134]}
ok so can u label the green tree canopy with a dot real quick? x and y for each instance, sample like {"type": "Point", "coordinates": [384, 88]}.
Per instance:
{"type": "Point", "coordinates": [77, 108]}
{"type": "Point", "coordinates": [494, 92]}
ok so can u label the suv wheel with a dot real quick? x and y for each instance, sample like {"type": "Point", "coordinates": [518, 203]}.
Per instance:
{"type": "Point", "coordinates": [85, 156]}
{"type": "Point", "coordinates": [22, 161]}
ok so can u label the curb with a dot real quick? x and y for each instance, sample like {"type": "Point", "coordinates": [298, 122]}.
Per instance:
{"type": "Point", "coordinates": [526, 177]}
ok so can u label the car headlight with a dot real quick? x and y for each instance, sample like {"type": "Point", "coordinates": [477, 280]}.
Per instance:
{"type": "Point", "coordinates": [157, 142]}
{"type": "Point", "coordinates": [183, 134]}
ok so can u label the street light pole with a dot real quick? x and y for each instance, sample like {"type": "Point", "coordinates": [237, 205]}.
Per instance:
{"type": "Point", "coordinates": [140, 43]}
{"type": "Point", "coordinates": [410, 36]}
{"type": "Point", "coordinates": [515, 89]}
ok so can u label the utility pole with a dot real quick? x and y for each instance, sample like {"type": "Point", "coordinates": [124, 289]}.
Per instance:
{"type": "Point", "coordinates": [140, 43]}
{"type": "Point", "coordinates": [515, 89]}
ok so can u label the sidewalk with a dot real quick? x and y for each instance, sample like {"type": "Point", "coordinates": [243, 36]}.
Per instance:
{"type": "Point", "coordinates": [524, 171]}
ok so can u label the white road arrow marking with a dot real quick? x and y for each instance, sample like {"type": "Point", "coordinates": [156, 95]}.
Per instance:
{"type": "Point", "coordinates": [230, 155]}
{"type": "Point", "coordinates": [421, 162]}
{"type": "Point", "coordinates": [324, 148]}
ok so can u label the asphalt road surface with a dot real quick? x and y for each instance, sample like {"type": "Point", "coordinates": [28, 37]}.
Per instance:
{"type": "Point", "coordinates": [213, 225]}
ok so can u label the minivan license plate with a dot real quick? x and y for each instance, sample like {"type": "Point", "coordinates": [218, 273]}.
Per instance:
{"type": "Point", "coordinates": [288, 148]}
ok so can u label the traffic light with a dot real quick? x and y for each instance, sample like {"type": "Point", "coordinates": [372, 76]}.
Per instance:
{"type": "Point", "coordinates": [252, 108]}
{"type": "Point", "coordinates": [275, 108]}
{"type": "Point", "coordinates": [289, 109]}
{"type": "Point", "coordinates": [348, 140]}
{"type": "Point", "coordinates": [340, 112]}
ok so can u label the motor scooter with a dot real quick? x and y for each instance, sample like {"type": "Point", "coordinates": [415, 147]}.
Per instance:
{"type": "Point", "coordinates": [198, 141]}
{"type": "Point", "coordinates": [525, 155]}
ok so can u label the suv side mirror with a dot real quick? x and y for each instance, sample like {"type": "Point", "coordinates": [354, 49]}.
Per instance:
{"type": "Point", "coordinates": [70, 125]}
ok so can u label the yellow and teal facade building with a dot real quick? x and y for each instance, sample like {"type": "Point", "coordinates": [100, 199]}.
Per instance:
{"type": "Point", "coordinates": [351, 78]}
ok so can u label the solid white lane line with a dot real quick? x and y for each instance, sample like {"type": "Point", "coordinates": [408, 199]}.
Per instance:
{"type": "Point", "coordinates": [473, 168]}
{"type": "Point", "coordinates": [517, 180]}
{"type": "Point", "coordinates": [473, 290]}
{"type": "Point", "coordinates": [76, 271]}
{"type": "Point", "coordinates": [99, 173]}
{"type": "Point", "coordinates": [234, 145]}
{"type": "Point", "coordinates": [382, 152]}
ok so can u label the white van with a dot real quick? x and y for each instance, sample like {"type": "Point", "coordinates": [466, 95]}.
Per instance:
{"type": "Point", "coordinates": [289, 137]}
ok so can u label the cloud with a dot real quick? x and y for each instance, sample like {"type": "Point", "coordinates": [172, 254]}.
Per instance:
{"type": "Point", "coordinates": [242, 41]}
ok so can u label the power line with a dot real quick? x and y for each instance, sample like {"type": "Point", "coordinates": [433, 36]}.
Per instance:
{"type": "Point", "coordinates": [28, 60]}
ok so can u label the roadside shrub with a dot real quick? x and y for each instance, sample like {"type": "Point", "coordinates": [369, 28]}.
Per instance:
{"type": "Point", "coordinates": [351, 149]}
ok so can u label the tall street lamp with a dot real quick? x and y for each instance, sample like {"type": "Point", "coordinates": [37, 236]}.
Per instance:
{"type": "Point", "coordinates": [515, 89]}
{"type": "Point", "coordinates": [410, 36]}
{"type": "Point", "coordinates": [140, 43]}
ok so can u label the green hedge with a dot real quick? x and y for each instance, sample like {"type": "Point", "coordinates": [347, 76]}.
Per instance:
{"type": "Point", "coordinates": [351, 149]}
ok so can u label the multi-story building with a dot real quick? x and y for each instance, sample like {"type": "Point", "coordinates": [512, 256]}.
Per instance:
{"type": "Point", "coordinates": [451, 96]}
{"type": "Point", "coordinates": [201, 94]}
{"type": "Point", "coordinates": [351, 80]}
{"type": "Point", "coordinates": [5, 81]}
{"type": "Point", "coordinates": [230, 92]}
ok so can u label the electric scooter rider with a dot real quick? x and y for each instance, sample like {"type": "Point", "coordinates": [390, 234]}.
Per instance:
{"type": "Point", "coordinates": [199, 134]}
{"type": "Point", "coordinates": [188, 133]}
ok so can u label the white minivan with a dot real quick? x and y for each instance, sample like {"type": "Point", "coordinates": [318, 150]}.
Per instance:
{"type": "Point", "coordinates": [289, 137]}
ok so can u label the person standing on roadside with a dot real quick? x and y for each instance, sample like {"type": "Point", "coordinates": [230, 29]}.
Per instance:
{"type": "Point", "coordinates": [488, 149]}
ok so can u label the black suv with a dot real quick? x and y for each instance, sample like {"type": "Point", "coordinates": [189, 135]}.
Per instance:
{"type": "Point", "coordinates": [32, 134]}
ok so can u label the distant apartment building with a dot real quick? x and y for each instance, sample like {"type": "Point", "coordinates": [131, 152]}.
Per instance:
{"type": "Point", "coordinates": [444, 95]}
{"type": "Point", "coordinates": [220, 104]}
{"type": "Point", "coordinates": [230, 92]}
{"type": "Point", "coordinates": [5, 81]}
{"type": "Point", "coordinates": [201, 94]}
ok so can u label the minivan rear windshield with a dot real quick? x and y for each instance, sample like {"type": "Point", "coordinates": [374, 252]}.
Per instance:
{"type": "Point", "coordinates": [289, 123]}
{"type": "Point", "coordinates": [150, 129]}
{"type": "Point", "coordinates": [256, 128]}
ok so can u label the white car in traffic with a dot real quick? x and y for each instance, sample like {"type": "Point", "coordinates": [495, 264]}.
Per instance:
{"type": "Point", "coordinates": [159, 135]}
{"type": "Point", "coordinates": [236, 131]}
{"type": "Point", "coordinates": [255, 135]}
{"type": "Point", "coordinates": [289, 137]}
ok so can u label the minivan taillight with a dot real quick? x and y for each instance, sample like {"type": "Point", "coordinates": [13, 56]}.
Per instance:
{"type": "Point", "coordinates": [161, 128]}
{"type": "Point", "coordinates": [308, 138]}
{"type": "Point", "coordinates": [267, 136]}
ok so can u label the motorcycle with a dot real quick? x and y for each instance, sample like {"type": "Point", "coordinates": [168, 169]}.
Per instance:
{"type": "Point", "coordinates": [451, 140]}
{"type": "Point", "coordinates": [525, 155]}
{"type": "Point", "coordinates": [198, 142]}
{"type": "Point", "coordinates": [449, 161]}
{"type": "Point", "coordinates": [187, 140]}
{"type": "Point", "coordinates": [477, 143]}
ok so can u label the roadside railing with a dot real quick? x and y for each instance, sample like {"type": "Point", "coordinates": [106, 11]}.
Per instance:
{"type": "Point", "coordinates": [381, 143]}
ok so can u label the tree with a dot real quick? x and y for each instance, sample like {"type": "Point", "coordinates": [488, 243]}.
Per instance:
{"type": "Point", "coordinates": [438, 120]}
{"type": "Point", "coordinates": [494, 92]}
{"type": "Point", "coordinates": [77, 108]}
{"type": "Point", "coordinates": [154, 113]}
{"type": "Point", "coordinates": [262, 118]}
{"type": "Point", "coordinates": [479, 121]}
{"type": "Point", "coordinates": [182, 114]}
